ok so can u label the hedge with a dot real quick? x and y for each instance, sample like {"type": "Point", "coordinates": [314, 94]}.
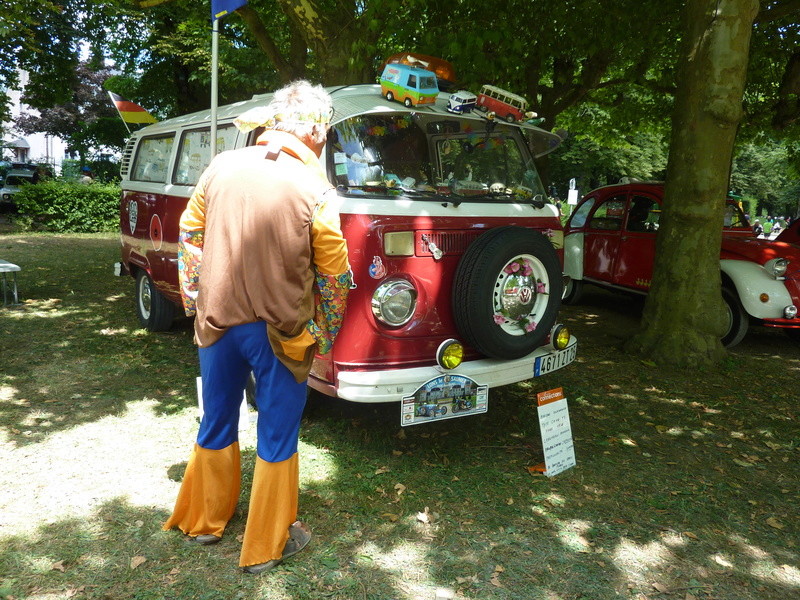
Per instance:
{"type": "Point", "coordinates": [68, 207]}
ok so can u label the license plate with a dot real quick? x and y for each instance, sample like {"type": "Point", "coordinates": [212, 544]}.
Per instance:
{"type": "Point", "coordinates": [554, 361]}
{"type": "Point", "coordinates": [444, 397]}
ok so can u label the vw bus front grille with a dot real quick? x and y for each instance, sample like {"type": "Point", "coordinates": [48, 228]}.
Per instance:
{"type": "Point", "coordinates": [449, 242]}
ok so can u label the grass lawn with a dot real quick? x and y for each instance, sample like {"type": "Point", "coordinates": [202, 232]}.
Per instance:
{"type": "Point", "coordinates": [686, 484]}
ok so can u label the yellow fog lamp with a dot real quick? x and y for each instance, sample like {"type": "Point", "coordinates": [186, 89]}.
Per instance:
{"type": "Point", "coordinates": [560, 337]}
{"type": "Point", "coordinates": [450, 354]}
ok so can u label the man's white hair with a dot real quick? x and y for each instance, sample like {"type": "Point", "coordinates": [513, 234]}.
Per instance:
{"type": "Point", "coordinates": [302, 109]}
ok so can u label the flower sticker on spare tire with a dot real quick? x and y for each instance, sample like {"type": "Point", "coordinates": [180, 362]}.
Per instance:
{"type": "Point", "coordinates": [515, 297]}
{"type": "Point", "coordinates": [507, 292]}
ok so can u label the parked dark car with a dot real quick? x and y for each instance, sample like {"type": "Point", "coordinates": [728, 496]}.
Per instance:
{"type": "Point", "coordinates": [15, 179]}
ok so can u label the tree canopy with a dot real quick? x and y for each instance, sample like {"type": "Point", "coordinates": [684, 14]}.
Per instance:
{"type": "Point", "coordinates": [85, 121]}
{"type": "Point", "coordinates": [605, 71]}
{"type": "Point", "coordinates": [606, 75]}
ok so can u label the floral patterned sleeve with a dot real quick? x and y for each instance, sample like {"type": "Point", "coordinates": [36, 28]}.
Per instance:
{"type": "Point", "coordinates": [333, 278]}
{"type": "Point", "coordinates": [190, 248]}
{"type": "Point", "coordinates": [330, 298]}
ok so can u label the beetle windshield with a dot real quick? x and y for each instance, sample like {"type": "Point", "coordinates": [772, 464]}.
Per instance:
{"type": "Point", "coordinates": [423, 155]}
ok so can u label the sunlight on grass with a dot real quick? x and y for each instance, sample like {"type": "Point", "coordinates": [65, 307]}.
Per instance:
{"type": "Point", "coordinates": [764, 566]}
{"type": "Point", "coordinates": [46, 310]}
{"type": "Point", "coordinates": [407, 562]}
{"type": "Point", "coordinates": [111, 331]}
{"type": "Point", "coordinates": [637, 561]}
{"type": "Point", "coordinates": [125, 455]}
{"type": "Point", "coordinates": [571, 533]}
{"type": "Point", "coordinates": [7, 393]}
{"type": "Point", "coordinates": [317, 464]}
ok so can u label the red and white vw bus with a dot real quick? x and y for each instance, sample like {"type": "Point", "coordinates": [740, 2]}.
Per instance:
{"type": "Point", "coordinates": [457, 258]}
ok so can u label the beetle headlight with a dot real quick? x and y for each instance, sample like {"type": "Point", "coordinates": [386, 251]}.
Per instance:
{"type": "Point", "coordinates": [776, 267]}
{"type": "Point", "coordinates": [394, 301]}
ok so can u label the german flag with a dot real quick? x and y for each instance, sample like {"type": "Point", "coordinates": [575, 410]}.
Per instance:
{"type": "Point", "coordinates": [130, 112]}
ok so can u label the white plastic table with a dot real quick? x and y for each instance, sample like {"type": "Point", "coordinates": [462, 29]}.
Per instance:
{"type": "Point", "coordinates": [9, 286]}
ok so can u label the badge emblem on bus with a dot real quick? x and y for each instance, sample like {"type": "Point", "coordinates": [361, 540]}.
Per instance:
{"type": "Point", "coordinates": [377, 270]}
{"type": "Point", "coordinates": [133, 214]}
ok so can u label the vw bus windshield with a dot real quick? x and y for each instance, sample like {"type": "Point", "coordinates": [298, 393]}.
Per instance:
{"type": "Point", "coordinates": [416, 154]}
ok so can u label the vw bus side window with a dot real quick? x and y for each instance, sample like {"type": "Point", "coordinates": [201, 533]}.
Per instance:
{"type": "Point", "coordinates": [152, 159]}
{"type": "Point", "coordinates": [195, 154]}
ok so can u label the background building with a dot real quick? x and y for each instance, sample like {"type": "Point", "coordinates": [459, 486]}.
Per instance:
{"type": "Point", "coordinates": [33, 148]}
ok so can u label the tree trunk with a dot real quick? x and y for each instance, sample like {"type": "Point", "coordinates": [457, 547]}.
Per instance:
{"type": "Point", "coordinates": [341, 40]}
{"type": "Point", "coordinates": [684, 316]}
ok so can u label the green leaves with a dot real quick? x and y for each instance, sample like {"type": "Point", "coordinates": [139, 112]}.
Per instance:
{"type": "Point", "coordinates": [67, 207]}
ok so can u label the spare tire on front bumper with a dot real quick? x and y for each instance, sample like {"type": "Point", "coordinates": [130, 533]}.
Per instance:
{"type": "Point", "coordinates": [507, 292]}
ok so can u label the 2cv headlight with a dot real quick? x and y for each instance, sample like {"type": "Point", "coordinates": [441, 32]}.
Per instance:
{"type": "Point", "coordinates": [776, 267]}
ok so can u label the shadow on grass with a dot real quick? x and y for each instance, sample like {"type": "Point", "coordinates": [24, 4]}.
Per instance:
{"type": "Point", "coordinates": [649, 507]}
{"type": "Point", "coordinates": [398, 513]}
{"type": "Point", "coordinates": [686, 484]}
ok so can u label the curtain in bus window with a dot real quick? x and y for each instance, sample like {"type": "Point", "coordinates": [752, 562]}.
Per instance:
{"type": "Point", "coordinates": [195, 152]}
{"type": "Point", "coordinates": [152, 159]}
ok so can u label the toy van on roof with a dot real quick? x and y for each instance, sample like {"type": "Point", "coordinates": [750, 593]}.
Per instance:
{"type": "Point", "coordinates": [461, 102]}
{"type": "Point", "coordinates": [444, 71]}
{"type": "Point", "coordinates": [409, 85]}
{"type": "Point", "coordinates": [503, 103]}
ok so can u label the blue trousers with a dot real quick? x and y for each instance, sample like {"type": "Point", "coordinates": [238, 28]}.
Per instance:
{"type": "Point", "coordinates": [225, 368]}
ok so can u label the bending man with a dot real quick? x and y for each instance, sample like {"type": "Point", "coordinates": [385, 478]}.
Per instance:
{"type": "Point", "coordinates": [264, 267]}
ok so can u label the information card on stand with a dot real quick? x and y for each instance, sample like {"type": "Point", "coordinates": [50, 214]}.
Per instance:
{"type": "Point", "coordinates": [559, 451]}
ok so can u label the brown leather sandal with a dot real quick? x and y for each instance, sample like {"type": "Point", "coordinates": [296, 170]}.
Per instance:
{"type": "Point", "coordinates": [299, 536]}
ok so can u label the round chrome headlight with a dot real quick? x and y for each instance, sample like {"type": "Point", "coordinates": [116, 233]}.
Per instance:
{"type": "Point", "coordinates": [776, 267]}
{"type": "Point", "coordinates": [394, 301]}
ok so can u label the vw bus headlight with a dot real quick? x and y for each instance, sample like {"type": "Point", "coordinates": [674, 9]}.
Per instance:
{"type": "Point", "coordinates": [450, 354]}
{"type": "Point", "coordinates": [394, 301]}
{"type": "Point", "coordinates": [776, 267]}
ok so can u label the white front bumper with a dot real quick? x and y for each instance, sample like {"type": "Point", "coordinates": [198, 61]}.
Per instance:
{"type": "Point", "coordinates": [392, 385]}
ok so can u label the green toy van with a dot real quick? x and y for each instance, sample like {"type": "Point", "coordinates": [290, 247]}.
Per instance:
{"type": "Point", "coordinates": [409, 85]}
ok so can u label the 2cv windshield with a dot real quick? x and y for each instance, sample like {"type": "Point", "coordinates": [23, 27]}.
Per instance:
{"type": "Point", "coordinates": [415, 154]}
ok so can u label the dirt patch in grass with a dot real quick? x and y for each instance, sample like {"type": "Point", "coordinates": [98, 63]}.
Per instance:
{"type": "Point", "coordinates": [686, 484]}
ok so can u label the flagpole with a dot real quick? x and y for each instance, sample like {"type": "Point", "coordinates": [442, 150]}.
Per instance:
{"type": "Point", "coordinates": [124, 122]}
{"type": "Point", "coordinates": [214, 83]}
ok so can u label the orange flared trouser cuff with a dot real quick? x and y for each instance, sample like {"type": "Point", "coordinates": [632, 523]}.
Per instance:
{"type": "Point", "coordinates": [273, 507]}
{"type": "Point", "coordinates": [209, 492]}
